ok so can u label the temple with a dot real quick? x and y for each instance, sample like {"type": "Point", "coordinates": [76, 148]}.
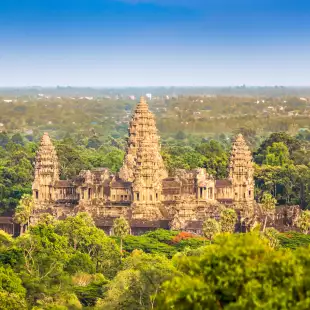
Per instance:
{"type": "Point", "coordinates": [142, 191]}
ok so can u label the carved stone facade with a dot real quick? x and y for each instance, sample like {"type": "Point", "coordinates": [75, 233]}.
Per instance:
{"type": "Point", "coordinates": [46, 171]}
{"type": "Point", "coordinates": [142, 190]}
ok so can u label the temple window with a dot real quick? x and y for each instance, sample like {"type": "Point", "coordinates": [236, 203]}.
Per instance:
{"type": "Point", "coordinates": [250, 193]}
{"type": "Point", "coordinates": [156, 196]}
{"type": "Point", "coordinates": [89, 193]}
{"type": "Point", "coordinates": [37, 195]}
{"type": "Point", "coordinates": [137, 196]}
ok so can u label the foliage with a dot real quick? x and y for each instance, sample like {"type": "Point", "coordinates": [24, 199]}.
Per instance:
{"type": "Point", "coordinates": [148, 245]}
{"type": "Point", "coordinates": [83, 236]}
{"type": "Point", "coordinates": [268, 206]}
{"type": "Point", "coordinates": [211, 228]}
{"type": "Point", "coordinates": [80, 259]}
{"type": "Point", "coordinates": [239, 272]}
{"type": "Point", "coordinates": [12, 293]}
{"type": "Point", "coordinates": [137, 286]}
{"type": "Point", "coordinates": [24, 210]}
{"type": "Point", "coordinates": [303, 222]}
{"type": "Point", "coordinates": [272, 235]}
{"type": "Point", "coordinates": [277, 154]}
{"type": "Point", "coordinates": [228, 220]}
{"type": "Point", "coordinates": [182, 236]}
{"type": "Point", "coordinates": [293, 240]}
{"type": "Point", "coordinates": [121, 229]}
{"type": "Point", "coordinates": [89, 288]}
{"type": "Point", "coordinates": [162, 235]}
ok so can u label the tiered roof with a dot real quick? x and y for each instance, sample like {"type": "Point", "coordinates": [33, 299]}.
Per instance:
{"type": "Point", "coordinates": [143, 138]}
{"type": "Point", "coordinates": [46, 159]}
{"type": "Point", "coordinates": [241, 161]}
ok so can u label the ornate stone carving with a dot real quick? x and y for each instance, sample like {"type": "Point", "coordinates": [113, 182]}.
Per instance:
{"type": "Point", "coordinates": [241, 171]}
{"type": "Point", "coordinates": [46, 171]}
{"type": "Point", "coordinates": [142, 128]}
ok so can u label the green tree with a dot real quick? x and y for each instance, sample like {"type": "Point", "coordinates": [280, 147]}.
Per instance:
{"type": "Point", "coordinates": [5, 239]}
{"type": "Point", "coordinates": [138, 285]}
{"type": "Point", "coordinates": [303, 222]}
{"type": "Point", "coordinates": [114, 160]}
{"type": "Point", "coordinates": [17, 139]}
{"type": "Point", "coordinates": [268, 206]}
{"type": "Point", "coordinates": [12, 293]}
{"type": "Point", "coordinates": [211, 228]}
{"type": "Point", "coordinates": [121, 229]}
{"type": "Point", "coordinates": [228, 220]}
{"type": "Point", "coordinates": [24, 211]}
{"type": "Point", "coordinates": [290, 142]}
{"type": "Point", "coordinates": [272, 235]}
{"type": "Point", "coordinates": [239, 271]}
{"type": "Point", "coordinates": [277, 155]}
{"type": "Point", "coordinates": [215, 158]}
{"type": "Point", "coordinates": [4, 139]}
{"type": "Point", "coordinates": [85, 237]}
{"type": "Point", "coordinates": [180, 135]}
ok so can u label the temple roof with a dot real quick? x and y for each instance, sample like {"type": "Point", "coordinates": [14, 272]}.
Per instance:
{"type": "Point", "coordinates": [194, 225]}
{"type": "Point", "coordinates": [120, 184]}
{"type": "Point", "coordinates": [63, 183]}
{"type": "Point", "coordinates": [223, 183]}
{"type": "Point", "coordinates": [170, 182]}
{"type": "Point", "coordinates": [6, 220]}
{"type": "Point", "coordinates": [46, 162]}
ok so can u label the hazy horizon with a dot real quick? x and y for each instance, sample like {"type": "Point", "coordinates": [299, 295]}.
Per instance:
{"type": "Point", "coordinates": [144, 43]}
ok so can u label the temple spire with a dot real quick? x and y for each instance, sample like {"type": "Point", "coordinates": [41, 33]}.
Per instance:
{"type": "Point", "coordinates": [241, 171]}
{"type": "Point", "coordinates": [46, 170]}
{"type": "Point", "coordinates": [142, 128]}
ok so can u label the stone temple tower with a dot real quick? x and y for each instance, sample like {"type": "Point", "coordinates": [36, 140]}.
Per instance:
{"type": "Point", "coordinates": [143, 137]}
{"type": "Point", "coordinates": [241, 171]}
{"type": "Point", "coordinates": [46, 171]}
{"type": "Point", "coordinates": [147, 185]}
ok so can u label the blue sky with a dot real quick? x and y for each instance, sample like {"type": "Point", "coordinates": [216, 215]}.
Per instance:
{"type": "Point", "coordinates": [154, 42]}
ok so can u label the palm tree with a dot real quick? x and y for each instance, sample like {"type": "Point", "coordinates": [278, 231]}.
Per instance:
{"type": "Point", "coordinates": [121, 229]}
{"type": "Point", "coordinates": [24, 211]}
{"type": "Point", "coordinates": [268, 206]}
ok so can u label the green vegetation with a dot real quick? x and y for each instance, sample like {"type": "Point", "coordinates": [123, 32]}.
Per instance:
{"type": "Point", "coordinates": [71, 264]}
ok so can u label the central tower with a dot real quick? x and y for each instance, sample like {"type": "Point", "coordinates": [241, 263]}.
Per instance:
{"type": "Point", "coordinates": [143, 165]}
{"type": "Point", "coordinates": [143, 146]}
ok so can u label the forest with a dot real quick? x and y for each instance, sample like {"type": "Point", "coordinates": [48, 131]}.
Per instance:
{"type": "Point", "coordinates": [71, 264]}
